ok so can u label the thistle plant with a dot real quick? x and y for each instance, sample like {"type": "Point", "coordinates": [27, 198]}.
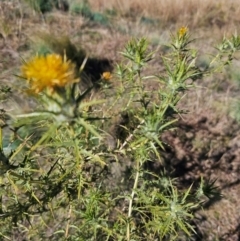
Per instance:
{"type": "Point", "coordinates": [82, 163]}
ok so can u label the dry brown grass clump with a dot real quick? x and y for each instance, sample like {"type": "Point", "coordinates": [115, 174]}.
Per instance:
{"type": "Point", "coordinates": [192, 12]}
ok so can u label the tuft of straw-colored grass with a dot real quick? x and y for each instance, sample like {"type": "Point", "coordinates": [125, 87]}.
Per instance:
{"type": "Point", "coordinates": [191, 12]}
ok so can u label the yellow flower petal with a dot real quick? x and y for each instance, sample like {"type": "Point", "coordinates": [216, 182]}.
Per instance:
{"type": "Point", "coordinates": [48, 71]}
{"type": "Point", "coordinates": [106, 75]}
{"type": "Point", "coordinates": [182, 31]}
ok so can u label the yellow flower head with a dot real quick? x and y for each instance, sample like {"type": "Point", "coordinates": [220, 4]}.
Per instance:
{"type": "Point", "coordinates": [182, 31]}
{"type": "Point", "coordinates": [50, 71]}
{"type": "Point", "coordinates": [106, 75]}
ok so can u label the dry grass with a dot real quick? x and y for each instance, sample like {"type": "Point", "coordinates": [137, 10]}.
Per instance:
{"type": "Point", "coordinates": [191, 12]}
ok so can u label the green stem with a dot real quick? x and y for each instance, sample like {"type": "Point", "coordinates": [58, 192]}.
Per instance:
{"type": "Point", "coordinates": [68, 222]}
{"type": "Point", "coordinates": [131, 201]}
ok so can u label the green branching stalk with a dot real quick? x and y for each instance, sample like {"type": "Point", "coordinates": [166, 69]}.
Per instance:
{"type": "Point", "coordinates": [59, 156]}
